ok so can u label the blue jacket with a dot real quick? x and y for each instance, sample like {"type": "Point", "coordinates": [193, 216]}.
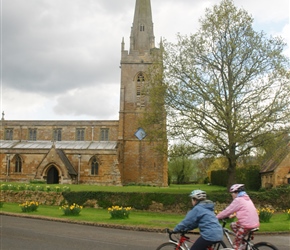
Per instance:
{"type": "Point", "coordinates": [202, 216]}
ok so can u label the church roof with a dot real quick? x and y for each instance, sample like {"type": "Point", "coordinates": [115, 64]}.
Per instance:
{"type": "Point", "coordinates": [96, 145]}
{"type": "Point", "coordinates": [274, 161]}
{"type": "Point", "coordinates": [66, 162]}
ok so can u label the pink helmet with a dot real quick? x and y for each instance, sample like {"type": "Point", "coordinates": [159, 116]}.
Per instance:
{"type": "Point", "coordinates": [237, 188]}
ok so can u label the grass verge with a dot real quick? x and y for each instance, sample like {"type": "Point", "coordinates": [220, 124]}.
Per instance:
{"type": "Point", "coordinates": [137, 219]}
{"type": "Point", "coordinates": [174, 189]}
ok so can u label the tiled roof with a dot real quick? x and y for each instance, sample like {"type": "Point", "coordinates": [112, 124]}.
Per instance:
{"type": "Point", "coordinates": [274, 161]}
{"type": "Point", "coordinates": [66, 162]}
{"type": "Point", "coordinates": [97, 145]}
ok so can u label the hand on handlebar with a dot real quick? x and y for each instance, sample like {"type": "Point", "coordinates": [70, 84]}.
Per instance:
{"type": "Point", "coordinates": [170, 231]}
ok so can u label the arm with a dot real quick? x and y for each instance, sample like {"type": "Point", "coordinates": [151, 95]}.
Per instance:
{"type": "Point", "coordinates": [188, 223]}
{"type": "Point", "coordinates": [231, 209]}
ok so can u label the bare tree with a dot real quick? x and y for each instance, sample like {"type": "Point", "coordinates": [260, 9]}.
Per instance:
{"type": "Point", "coordinates": [227, 86]}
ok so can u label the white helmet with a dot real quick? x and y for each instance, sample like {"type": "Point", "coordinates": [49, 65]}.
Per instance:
{"type": "Point", "coordinates": [198, 195]}
{"type": "Point", "coordinates": [237, 188]}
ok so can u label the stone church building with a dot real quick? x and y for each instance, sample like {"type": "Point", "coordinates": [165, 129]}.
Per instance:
{"type": "Point", "coordinates": [95, 152]}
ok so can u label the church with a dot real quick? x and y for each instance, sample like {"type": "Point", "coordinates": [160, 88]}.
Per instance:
{"type": "Point", "coordinates": [97, 152]}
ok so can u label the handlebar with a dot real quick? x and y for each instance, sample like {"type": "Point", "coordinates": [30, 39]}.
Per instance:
{"type": "Point", "coordinates": [181, 233]}
{"type": "Point", "coordinates": [224, 222]}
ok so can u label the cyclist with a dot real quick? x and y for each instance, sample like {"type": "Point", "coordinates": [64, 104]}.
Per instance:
{"type": "Point", "coordinates": [244, 209]}
{"type": "Point", "coordinates": [201, 216]}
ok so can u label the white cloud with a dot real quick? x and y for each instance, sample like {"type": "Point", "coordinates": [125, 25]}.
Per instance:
{"type": "Point", "coordinates": [60, 58]}
{"type": "Point", "coordinates": [100, 102]}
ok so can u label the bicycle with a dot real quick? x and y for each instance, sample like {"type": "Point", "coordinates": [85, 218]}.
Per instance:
{"type": "Point", "coordinates": [182, 240]}
{"type": "Point", "coordinates": [247, 239]}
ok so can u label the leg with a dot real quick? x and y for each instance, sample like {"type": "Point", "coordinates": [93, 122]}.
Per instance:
{"type": "Point", "coordinates": [201, 244]}
{"type": "Point", "coordinates": [234, 227]}
{"type": "Point", "coordinates": [240, 234]}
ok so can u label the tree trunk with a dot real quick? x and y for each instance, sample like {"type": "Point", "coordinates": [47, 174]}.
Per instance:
{"type": "Point", "coordinates": [232, 172]}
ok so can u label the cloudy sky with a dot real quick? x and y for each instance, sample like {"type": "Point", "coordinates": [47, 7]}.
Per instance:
{"type": "Point", "coordinates": [60, 58]}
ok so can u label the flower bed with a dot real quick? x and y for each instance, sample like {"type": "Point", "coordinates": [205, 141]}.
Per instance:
{"type": "Point", "coordinates": [73, 209]}
{"type": "Point", "coordinates": [118, 212]}
{"type": "Point", "coordinates": [29, 206]}
{"type": "Point", "coordinates": [265, 214]}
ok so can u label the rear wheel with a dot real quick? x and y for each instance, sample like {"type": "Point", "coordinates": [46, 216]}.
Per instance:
{"type": "Point", "coordinates": [219, 245]}
{"type": "Point", "coordinates": [168, 246]}
{"type": "Point", "coordinates": [264, 246]}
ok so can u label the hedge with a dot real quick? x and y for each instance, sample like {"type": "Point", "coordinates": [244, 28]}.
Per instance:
{"type": "Point", "coordinates": [250, 176]}
{"type": "Point", "coordinates": [278, 198]}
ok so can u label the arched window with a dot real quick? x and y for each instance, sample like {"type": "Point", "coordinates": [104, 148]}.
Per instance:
{"type": "Point", "coordinates": [140, 90]}
{"type": "Point", "coordinates": [94, 167]}
{"type": "Point", "coordinates": [18, 164]}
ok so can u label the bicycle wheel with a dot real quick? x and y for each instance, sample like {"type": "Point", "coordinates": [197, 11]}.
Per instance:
{"type": "Point", "coordinates": [218, 245]}
{"type": "Point", "coordinates": [168, 246]}
{"type": "Point", "coordinates": [264, 246]}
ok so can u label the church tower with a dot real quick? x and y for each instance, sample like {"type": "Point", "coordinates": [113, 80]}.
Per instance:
{"type": "Point", "coordinates": [139, 161]}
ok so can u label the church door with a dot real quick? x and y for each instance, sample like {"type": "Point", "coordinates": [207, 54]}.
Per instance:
{"type": "Point", "coordinates": [52, 176]}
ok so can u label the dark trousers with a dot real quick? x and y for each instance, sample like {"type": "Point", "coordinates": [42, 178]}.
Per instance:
{"type": "Point", "coordinates": [201, 244]}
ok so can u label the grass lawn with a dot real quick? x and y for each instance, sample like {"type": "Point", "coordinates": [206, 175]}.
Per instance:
{"type": "Point", "coordinates": [278, 222]}
{"type": "Point", "coordinates": [171, 189]}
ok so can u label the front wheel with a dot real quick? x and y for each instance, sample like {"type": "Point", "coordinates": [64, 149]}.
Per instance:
{"type": "Point", "coordinates": [169, 246]}
{"type": "Point", "coordinates": [264, 246]}
{"type": "Point", "coordinates": [219, 245]}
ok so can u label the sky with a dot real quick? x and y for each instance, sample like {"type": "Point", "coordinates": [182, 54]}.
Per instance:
{"type": "Point", "coordinates": [60, 58]}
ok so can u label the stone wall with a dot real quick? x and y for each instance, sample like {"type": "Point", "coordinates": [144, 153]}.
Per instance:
{"type": "Point", "coordinates": [44, 198]}
{"type": "Point", "coordinates": [45, 129]}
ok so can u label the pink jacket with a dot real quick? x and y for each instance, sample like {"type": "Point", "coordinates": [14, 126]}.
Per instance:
{"type": "Point", "coordinates": [245, 210]}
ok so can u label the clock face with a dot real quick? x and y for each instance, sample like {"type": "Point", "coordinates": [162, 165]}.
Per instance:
{"type": "Point", "coordinates": [140, 134]}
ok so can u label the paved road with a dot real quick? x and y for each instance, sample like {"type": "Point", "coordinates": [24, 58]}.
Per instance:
{"type": "Point", "coordinates": [19, 233]}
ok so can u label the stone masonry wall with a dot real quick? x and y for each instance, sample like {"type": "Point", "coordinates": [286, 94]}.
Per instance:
{"type": "Point", "coordinates": [44, 198]}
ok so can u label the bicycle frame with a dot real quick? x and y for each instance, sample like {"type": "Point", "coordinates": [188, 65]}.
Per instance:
{"type": "Point", "coordinates": [181, 243]}
{"type": "Point", "coordinates": [247, 239]}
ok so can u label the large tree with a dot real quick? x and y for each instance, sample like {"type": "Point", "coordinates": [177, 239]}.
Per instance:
{"type": "Point", "coordinates": [227, 86]}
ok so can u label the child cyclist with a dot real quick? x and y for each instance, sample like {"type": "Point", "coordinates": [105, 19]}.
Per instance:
{"type": "Point", "coordinates": [245, 211]}
{"type": "Point", "coordinates": [201, 216]}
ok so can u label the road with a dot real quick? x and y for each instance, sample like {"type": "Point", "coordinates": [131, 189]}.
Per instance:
{"type": "Point", "coordinates": [19, 233]}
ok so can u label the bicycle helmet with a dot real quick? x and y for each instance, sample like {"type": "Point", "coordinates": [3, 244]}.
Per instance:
{"type": "Point", "coordinates": [198, 195]}
{"type": "Point", "coordinates": [237, 188]}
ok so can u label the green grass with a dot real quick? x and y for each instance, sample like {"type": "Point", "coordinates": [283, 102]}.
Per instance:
{"type": "Point", "coordinates": [152, 220]}
{"type": "Point", "coordinates": [278, 222]}
{"type": "Point", "coordinates": [174, 189]}
{"type": "Point", "coordinates": [102, 216]}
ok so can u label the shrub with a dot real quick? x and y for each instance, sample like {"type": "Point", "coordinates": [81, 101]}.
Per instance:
{"type": "Point", "coordinates": [31, 187]}
{"type": "Point", "coordinates": [29, 206]}
{"type": "Point", "coordinates": [4, 187]}
{"type": "Point", "coordinates": [57, 189]}
{"type": "Point", "coordinates": [265, 214]}
{"type": "Point", "coordinates": [1, 203]}
{"type": "Point", "coordinates": [119, 212]}
{"type": "Point", "coordinates": [66, 189]}
{"type": "Point", "coordinates": [287, 211]}
{"type": "Point", "coordinates": [73, 209]}
{"type": "Point", "coordinates": [39, 188]}
{"type": "Point", "coordinates": [21, 187]}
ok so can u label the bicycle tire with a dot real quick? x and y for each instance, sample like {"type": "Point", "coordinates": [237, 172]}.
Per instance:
{"type": "Point", "coordinates": [219, 245]}
{"type": "Point", "coordinates": [264, 246]}
{"type": "Point", "coordinates": [169, 246]}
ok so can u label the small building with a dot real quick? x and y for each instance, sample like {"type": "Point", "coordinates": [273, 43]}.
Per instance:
{"type": "Point", "coordinates": [276, 171]}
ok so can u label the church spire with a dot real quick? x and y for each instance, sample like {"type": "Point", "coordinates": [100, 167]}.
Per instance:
{"type": "Point", "coordinates": [142, 37]}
